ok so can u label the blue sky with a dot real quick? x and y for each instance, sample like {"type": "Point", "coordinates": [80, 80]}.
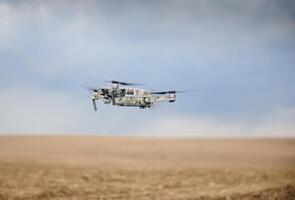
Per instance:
{"type": "Point", "coordinates": [238, 55]}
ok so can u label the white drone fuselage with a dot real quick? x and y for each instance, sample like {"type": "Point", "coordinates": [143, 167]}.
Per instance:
{"type": "Point", "coordinates": [132, 97]}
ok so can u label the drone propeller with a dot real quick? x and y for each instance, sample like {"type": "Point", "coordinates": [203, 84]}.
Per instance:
{"type": "Point", "coordinates": [122, 83]}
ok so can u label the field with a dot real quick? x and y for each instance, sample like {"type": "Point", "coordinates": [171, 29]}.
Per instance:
{"type": "Point", "coordinates": [90, 167]}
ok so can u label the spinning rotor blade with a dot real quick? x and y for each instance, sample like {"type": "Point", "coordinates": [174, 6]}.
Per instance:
{"type": "Point", "coordinates": [94, 104]}
{"type": "Point", "coordinates": [164, 92]}
{"type": "Point", "coordinates": [91, 89]}
{"type": "Point", "coordinates": [122, 83]}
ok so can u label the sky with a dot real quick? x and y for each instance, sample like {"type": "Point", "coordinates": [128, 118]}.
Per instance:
{"type": "Point", "coordinates": [237, 56]}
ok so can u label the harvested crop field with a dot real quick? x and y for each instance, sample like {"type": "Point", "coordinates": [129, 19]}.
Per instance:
{"type": "Point", "coordinates": [90, 167]}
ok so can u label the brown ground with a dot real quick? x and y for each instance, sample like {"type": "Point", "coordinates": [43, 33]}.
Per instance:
{"type": "Point", "coordinates": [72, 167]}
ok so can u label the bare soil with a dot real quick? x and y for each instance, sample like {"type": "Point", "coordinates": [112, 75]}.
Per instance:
{"type": "Point", "coordinates": [90, 167]}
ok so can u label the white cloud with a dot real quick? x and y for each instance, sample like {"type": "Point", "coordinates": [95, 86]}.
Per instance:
{"type": "Point", "coordinates": [31, 110]}
{"type": "Point", "coordinates": [279, 123]}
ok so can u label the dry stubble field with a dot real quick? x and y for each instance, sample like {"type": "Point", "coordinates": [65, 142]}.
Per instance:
{"type": "Point", "coordinates": [89, 167]}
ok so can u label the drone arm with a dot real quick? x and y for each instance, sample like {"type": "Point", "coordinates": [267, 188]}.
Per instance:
{"type": "Point", "coordinates": [113, 98]}
{"type": "Point", "coordinates": [96, 95]}
{"type": "Point", "coordinates": [94, 105]}
{"type": "Point", "coordinates": [164, 98]}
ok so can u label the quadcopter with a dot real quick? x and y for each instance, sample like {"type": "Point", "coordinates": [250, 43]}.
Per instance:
{"type": "Point", "coordinates": [119, 94]}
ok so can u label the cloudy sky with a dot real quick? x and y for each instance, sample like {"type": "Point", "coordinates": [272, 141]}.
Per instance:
{"type": "Point", "coordinates": [238, 55]}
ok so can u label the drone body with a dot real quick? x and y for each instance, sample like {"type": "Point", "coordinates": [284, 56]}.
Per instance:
{"type": "Point", "coordinates": [120, 95]}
